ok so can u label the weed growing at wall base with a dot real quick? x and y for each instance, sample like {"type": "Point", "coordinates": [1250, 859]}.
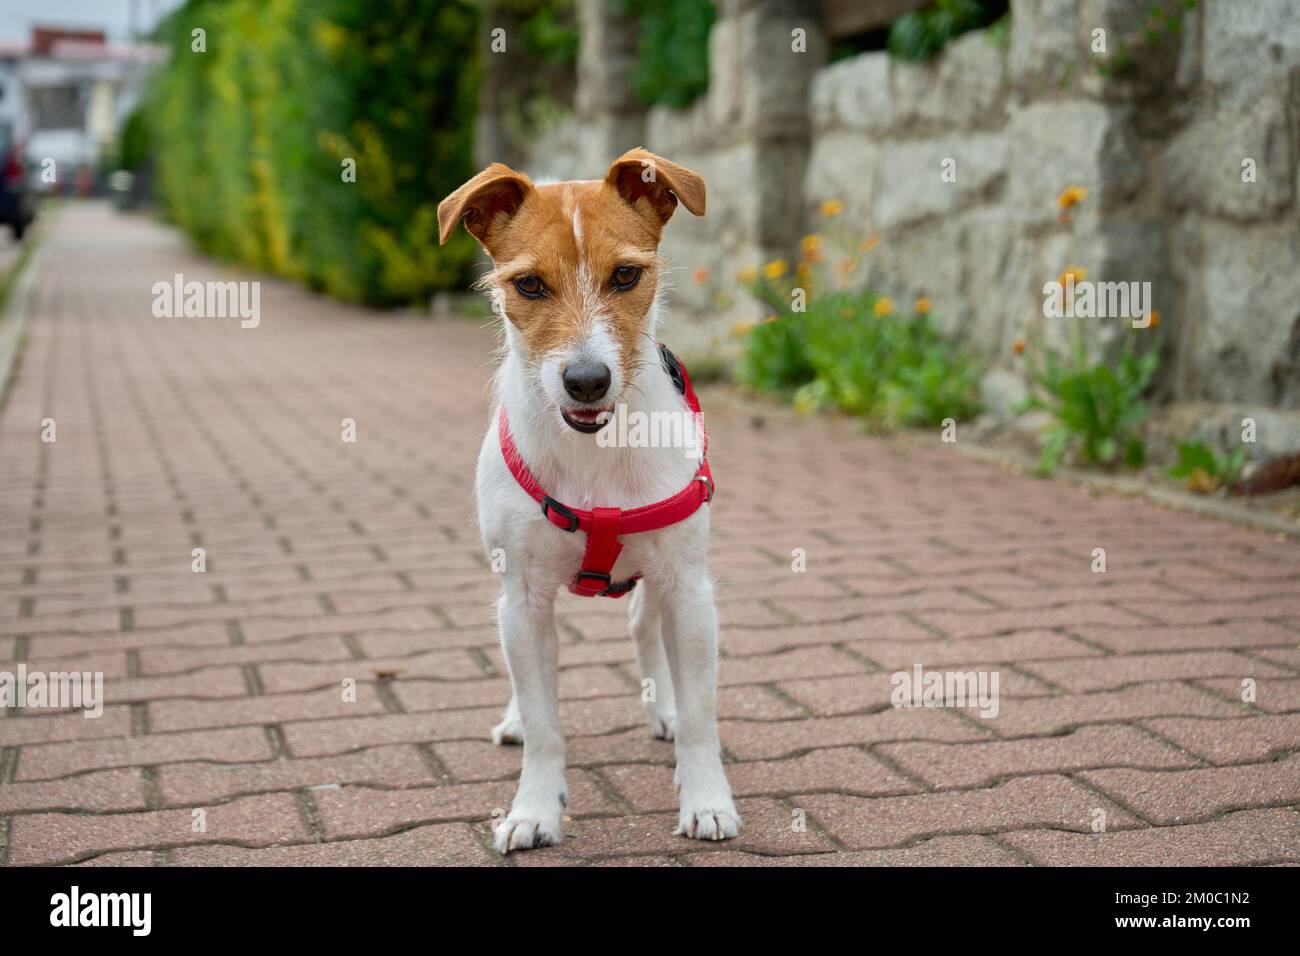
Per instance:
{"type": "Point", "coordinates": [1096, 406]}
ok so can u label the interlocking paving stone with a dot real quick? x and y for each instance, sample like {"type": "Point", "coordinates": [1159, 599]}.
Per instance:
{"type": "Point", "coordinates": [983, 763]}
{"type": "Point", "coordinates": [60, 837]}
{"type": "Point", "coordinates": [193, 783]}
{"type": "Point", "coordinates": [1254, 740]}
{"type": "Point", "coordinates": [451, 844]}
{"type": "Point", "coordinates": [1182, 796]}
{"type": "Point", "coordinates": [938, 851]}
{"type": "Point", "coordinates": [1048, 801]}
{"type": "Point", "coordinates": [328, 562]}
{"type": "Point", "coordinates": [1249, 838]}
{"type": "Point", "coordinates": [1114, 673]}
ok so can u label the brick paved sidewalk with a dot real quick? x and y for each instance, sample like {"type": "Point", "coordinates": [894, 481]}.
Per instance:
{"type": "Point", "coordinates": [1120, 692]}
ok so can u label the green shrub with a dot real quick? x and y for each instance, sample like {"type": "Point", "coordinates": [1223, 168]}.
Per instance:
{"type": "Point", "coordinates": [1096, 406]}
{"type": "Point", "coordinates": [672, 65]}
{"type": "Point", "coordinates": [1205, 472]}
{"type": "Point", "coordinates": [251, 136]}
{"type": "Point", "coordinates": [923, 33]}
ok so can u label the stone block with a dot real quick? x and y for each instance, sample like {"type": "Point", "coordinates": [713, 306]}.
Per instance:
{"type": "Point", "coordinates": [1081, 142]}
{"type": "Point", "coordinates": [1246, 343]}
{"type": "Point", "coordinates": [910, 186]}
{"type": "Point", "coordinates": [1043, 52]}
{"type": "Point", "coordinates": [960, 88]}
{"type": "Point", "coordinates": [1203, 164]}
{"type": "Point", "coordinates": [1246, 45]}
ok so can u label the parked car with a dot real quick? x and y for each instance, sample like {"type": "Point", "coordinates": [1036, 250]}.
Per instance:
{"type": "Point", "coordinates": [17, 201]}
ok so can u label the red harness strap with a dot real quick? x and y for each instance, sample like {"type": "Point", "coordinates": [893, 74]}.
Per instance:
{"type": "Point", "coordinates": [604, 526]}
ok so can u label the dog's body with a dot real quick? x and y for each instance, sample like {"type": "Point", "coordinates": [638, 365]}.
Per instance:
{"type": "Point", "coordinates": [584, 341]}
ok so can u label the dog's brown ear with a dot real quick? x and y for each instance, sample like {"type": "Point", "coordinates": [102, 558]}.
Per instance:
{"type": "Point", "coordinates": [640, 174]}
{"type": "Point", "coordinates": [496, 192]}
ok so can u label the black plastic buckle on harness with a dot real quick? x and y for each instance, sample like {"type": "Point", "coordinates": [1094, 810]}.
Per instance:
{"type": "Point", "coordinates": [619, 589]}
{"type": "Point", "coordinates": [611, 589]}
{"type": "Point", "coordinates": [559, 509]}
{"type": "Point", "coordinates": [673, 366]}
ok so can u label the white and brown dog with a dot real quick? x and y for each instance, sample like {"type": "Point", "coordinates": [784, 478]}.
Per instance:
{"type": "Point", "coordinates": [577, 284]}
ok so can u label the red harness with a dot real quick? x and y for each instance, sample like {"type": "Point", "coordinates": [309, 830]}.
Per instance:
{"type": "Point", "coordinates": [604, 526]}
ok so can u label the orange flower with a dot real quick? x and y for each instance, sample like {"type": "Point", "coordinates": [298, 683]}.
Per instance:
{"type": "Point", "coordinates": [1155, 319]}
{"type": "Point", "coordinates": [1079, 273]}
{"type": "Point", "coordinates": [923, 306]}
{"type": "Point", "coordinates": [883, 307]}
{"type": "Point", "coordinates": [746, 276]}
{"type": "Point", "coordinates": [776, 268]}
{"type": "Point", "coordinates": [700, 275]}
{"type": "Point", "coordinates": [741, 329]}
{"type": "Point", "coordinates": [1071, 196]}
{"type": "Point", "coordinates": [1018, 347]}
{"type": "Point", "coordinates": [768, 318]}
{"type": "Point", "coordinates": [832, 207]}
{"type": "Point", "coordinates": [870, 242]}
{"type": "Point", "coordinates": [811, 248]}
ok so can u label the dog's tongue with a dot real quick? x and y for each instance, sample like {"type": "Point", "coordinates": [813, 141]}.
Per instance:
{"type": "Point", "coordinates": [585, 416]}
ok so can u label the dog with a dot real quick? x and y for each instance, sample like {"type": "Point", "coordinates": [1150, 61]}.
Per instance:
{"type": "Point", "coordinates": [578, 284]}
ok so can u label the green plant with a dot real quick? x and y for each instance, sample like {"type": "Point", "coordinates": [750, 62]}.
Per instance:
{"type": "Point", "coordinates": [550, 36]}
{"type": "Point", "coordinates": [135, 146]}
{"type": "Point", "coordinates": [255, 135]}
{"type": "Point", "coordinates": [1161, 23]}
{"type": "Point", "coordinates": [849, 350]}
{"type": "Point", "coordinates": [942, 384]}
{"type": "Point", "coordinates": [1097, 407]}
{"type": "Point", "coordinates": [775, 358]}
{"type": "Point", "coordinates": [921, 34]}
{"type": "Point", "coordinates": [672, 64]}
{"type": "Point", "coordinates": [1205, 472]}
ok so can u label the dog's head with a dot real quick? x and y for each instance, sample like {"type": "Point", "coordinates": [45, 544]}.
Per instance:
{"type": "Point", "coordinates": [576, 270]}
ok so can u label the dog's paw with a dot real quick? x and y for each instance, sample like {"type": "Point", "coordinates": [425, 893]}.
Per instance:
{"type": "Point", "coordinates": [662, 726]}
{"type": "Point", "coordinates": [717, 824]}
{"type": "Point", "coordinates": [509, 731]}
{"type": "Point", "coordinates": [522, 829]}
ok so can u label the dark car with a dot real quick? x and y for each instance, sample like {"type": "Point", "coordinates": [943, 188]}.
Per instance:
{"type": "Point", "coordinates": [17, 201]}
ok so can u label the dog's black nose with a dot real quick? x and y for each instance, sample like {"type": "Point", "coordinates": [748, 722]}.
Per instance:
{"type": "Point", "coordinates": [587, 381]}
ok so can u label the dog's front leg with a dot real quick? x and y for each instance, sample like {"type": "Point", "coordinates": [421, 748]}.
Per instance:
{"type": "Point", "coordinates": [690, 630]}
{"type": "Point", "coordinates": [646, 625]}
{"type": "Point", "coordinates": [531, 646]}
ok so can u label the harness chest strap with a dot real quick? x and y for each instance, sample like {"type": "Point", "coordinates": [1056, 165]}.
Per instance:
{"type": "Point", "coordinates": [604, 526]}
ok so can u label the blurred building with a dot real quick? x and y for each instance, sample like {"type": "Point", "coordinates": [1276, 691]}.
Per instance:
{"type": "Point", "coordinates": [64, 96]}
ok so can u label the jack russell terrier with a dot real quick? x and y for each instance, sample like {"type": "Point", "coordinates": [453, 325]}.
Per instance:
{"type": "Point", "coordinates": [576, 282]}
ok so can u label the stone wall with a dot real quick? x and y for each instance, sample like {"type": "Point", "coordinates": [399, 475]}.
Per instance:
{"type": "Point", "coordinates": [1156, 128]}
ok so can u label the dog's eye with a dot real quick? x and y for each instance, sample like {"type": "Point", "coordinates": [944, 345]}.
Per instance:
{"type": "Point", "coordinates": [625, 277]}
{"type": "Point", "coordinates": [530, 287]}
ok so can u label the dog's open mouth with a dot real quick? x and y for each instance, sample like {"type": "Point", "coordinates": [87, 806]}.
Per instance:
{"type": "Point", "coordinates": [586, 420]}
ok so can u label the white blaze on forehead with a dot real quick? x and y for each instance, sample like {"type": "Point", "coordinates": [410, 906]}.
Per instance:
{"type": "Point", "coordinates": [590, 299]}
